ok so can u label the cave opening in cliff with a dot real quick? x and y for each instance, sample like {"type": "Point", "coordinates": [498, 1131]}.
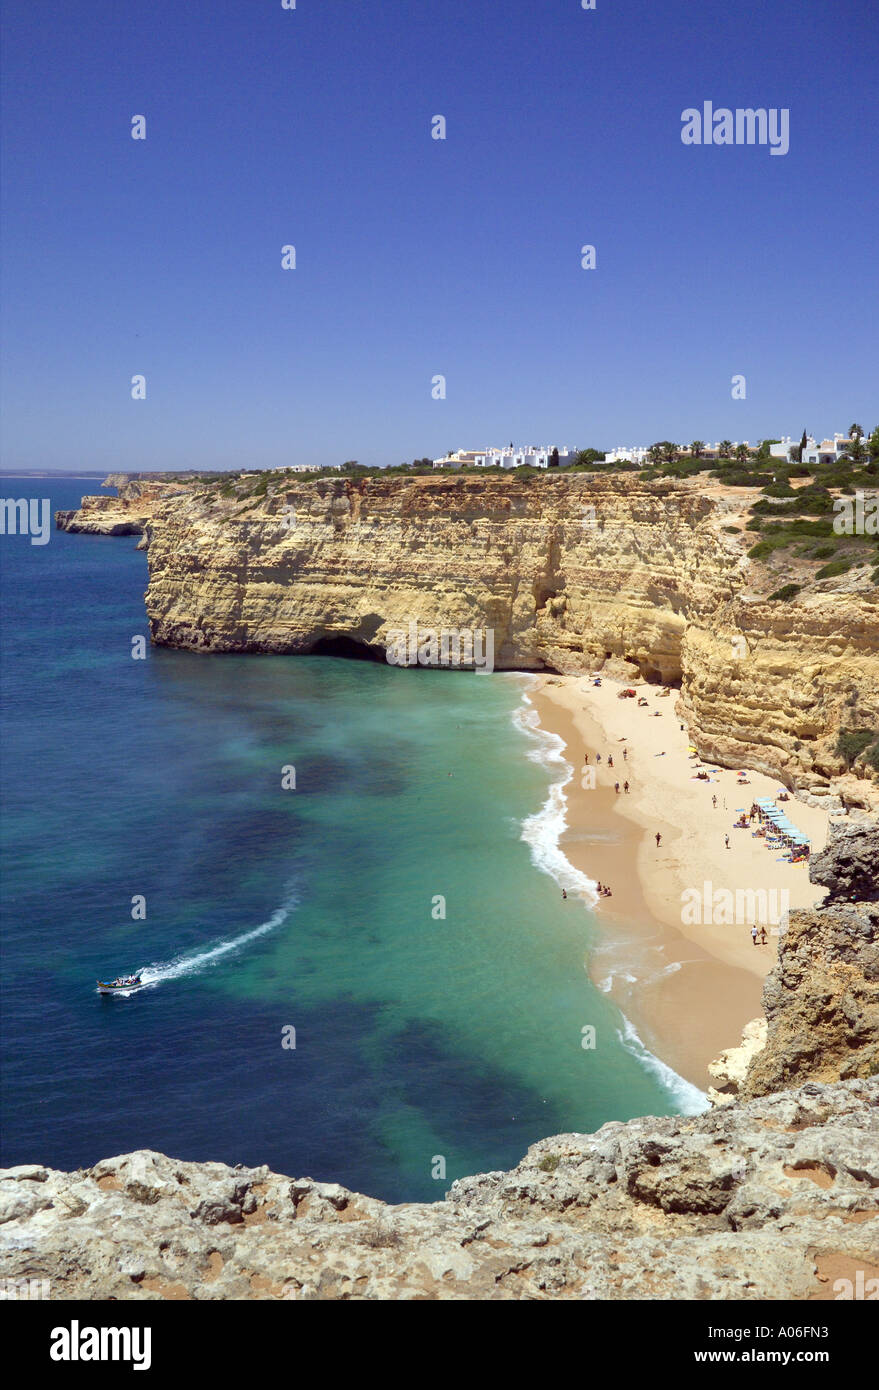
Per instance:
{"type": "Point", "coordinates": [348, 648]}
{"type": "Point", "coordinates": [651, 674]}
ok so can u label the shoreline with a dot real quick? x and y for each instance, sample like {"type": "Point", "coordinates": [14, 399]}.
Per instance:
{"type": "Point", "coordinates": [686, 988]}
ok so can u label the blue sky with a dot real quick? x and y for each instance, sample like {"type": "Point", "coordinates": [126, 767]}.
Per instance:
{"type": "Point", "coordinates": [418, 257]}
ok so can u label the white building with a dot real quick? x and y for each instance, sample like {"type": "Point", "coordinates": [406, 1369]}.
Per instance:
{"type": "Point", "coordinates": [782, 449]}
{"type": "Point", "coordinates": [461, 458]}
{"type": "Point", "coordinates": [828, 451]}
{"type": "Point", "coordinates": [310, 467]}
{"type": "Point", "coordinates": [527, 456]}
{"type": "Point", "coordinates": [626, 453]}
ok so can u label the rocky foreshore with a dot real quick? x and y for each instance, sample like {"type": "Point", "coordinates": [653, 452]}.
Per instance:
{"type": "Point", "coordinates": [774, 1199]}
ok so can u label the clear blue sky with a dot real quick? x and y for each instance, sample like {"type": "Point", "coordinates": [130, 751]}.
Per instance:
{"type": "Point", "coordinates": [417, 257]}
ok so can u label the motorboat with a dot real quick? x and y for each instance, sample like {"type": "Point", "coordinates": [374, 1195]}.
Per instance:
{"type": "Point", "coordinates": [122, 984]}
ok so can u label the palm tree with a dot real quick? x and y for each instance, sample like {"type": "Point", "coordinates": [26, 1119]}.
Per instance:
{"type": "Point", "coordinates": [724, 449]}
{"type": "Point", "coordinates": [654, 453]}
{"type": "Point", "coordinates": [669, 451]}
{"type": "Point", "coordinates": [743, 453]}
{"type": "Point", "coordinates": [697, 448]}
{"type": "Point", "coordinates": [854, 449]}
{"type": "Point", "coordinates": [855, 430]}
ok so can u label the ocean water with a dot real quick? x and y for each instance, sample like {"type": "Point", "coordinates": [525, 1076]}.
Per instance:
{"type": "Point", "coordinates": [311, 914]}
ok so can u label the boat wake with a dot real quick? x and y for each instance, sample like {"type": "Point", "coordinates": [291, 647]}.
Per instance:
{"type": "Point", "coordinates": [194, 963]}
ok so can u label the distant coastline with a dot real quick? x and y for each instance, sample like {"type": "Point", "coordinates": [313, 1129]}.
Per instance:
{"type": "Point", "coordinates": [52, 473]}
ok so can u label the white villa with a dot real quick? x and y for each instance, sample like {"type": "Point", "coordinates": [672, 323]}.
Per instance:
{"type": "Point", "coordinates": [461, 458]}
{"type": "Point", "coordinates": [310, 467]}
{"type": "Point", "coordinates": [626, 453]}
{"type": "Point", "coordinates": [529, 456]}
{"type": "Point", "coordinates": [828, 451]}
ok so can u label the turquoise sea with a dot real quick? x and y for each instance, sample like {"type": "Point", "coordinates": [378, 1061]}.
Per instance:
{"type": "Point", "coordinates": [395, 909]}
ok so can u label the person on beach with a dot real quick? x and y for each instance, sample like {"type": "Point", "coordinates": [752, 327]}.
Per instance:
{"type": "Point", "coordinates": [598, 757]}
{"type": "Point", "coordinates": [610, 760]}
{"type": "Point", "coordinates": [616, 787]}
{"type": "Point", "coordinates": [564, 894]}
{"type": "Point", "coordinates": [625, 754]}
{"type": "Point", "coordinates": [714, 802]}
{"type": "Point", "coordinates": [585, 757]}
{"type": "Point", "coordinates": [658, 839]}
{"type": "Point", "coordinates": [599, 886]}
{"type": "Point", "coordinates": [762, 936]}
{"type": "Point", "coordinates": [626, 788]}
{"type": "Point", "coordinates": [727, 841]}
{"type": "Point", "coordinates": [754, 935]}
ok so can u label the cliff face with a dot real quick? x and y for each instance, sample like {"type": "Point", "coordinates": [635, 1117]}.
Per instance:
{"type": "Point", "coordinates": [569, 571]}
{"type": "Point", "coordinates": [649, 579]}
{"type": "Point", "coordinates": [123, 515]}
{"type": "Point", "coordinates": [661, 1208]}
{"type": "Point", "coordinates": [821, 999]}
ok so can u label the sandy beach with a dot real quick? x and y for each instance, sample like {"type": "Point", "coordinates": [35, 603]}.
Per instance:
{"type": "Point", "coordinates": [688, 986]}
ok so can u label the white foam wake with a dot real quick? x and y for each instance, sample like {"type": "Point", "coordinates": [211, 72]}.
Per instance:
{"type": "Point", "coordinates": [195, 963]}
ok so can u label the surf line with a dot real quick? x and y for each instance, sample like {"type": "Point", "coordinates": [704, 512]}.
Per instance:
{"type": "Point", "coordinates": [542, 832]}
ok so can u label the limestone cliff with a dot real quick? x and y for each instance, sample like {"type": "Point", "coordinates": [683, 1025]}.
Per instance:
{"type": "Point", "coordinates": [821, 999]}
{"type": "Point", "coordinates": [126, 514]}
{"type": "Point", "coordinates": [569, 571]}
{"type": "Point", "coordinates": [775, 1199]}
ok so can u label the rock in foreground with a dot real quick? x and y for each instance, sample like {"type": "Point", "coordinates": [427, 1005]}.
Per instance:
{"type": "Point", "coordinates": [777, 1198]}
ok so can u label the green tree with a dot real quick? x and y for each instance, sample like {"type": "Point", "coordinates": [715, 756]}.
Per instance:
{"type": "Point", "coordinates": [724, 449]}
{"type": "Point", "coordinates": [855, 430]}
{"type": "Point", "coordinates": [852, 743]}
{"type": "Point", "coordinates": [854, 449]}
{"type": "Point", "coordinates": [743, 453]}
{"type": "Point", "coordinates": [697, 448]}
{"type": "Point", "coordinates": [554, 459]}
{"type": "Point", "coordinates": [670, 451]}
